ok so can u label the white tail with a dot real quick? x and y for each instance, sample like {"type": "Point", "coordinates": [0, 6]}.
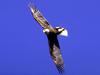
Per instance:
{"type": "Point", "coordinates": [64, 33]}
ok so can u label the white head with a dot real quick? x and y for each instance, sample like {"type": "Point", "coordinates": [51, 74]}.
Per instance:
{"type": "Point", "coordinates": [46, 30]}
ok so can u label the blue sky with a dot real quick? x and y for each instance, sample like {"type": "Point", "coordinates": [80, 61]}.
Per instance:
{"type": "Point", "coordinates": [24, 48]}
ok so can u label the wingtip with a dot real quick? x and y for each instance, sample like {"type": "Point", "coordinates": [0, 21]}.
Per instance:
{"type": "Point", "coordinates": [32, 7]}
{"type": "Point", "coordinates": [60, 69]}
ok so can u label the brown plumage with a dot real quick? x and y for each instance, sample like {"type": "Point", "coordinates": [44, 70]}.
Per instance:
{"type": "Point", "coordinates": [52, 37]}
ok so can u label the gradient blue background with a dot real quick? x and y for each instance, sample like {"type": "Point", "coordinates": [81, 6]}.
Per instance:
{"type": "Point", "coordinates": [24, 48]}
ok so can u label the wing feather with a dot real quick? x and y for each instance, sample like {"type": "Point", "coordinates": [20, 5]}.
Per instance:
{"type": "Point", "coordinates": [55, 53]}
{"type": "Point", "coordinates": [39, 17]}
{"type": "Point", "coordinates": [57, 58]}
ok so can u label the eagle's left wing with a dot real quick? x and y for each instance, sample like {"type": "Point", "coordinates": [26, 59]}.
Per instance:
{"type": "Point", "coordinates": [39, 17]}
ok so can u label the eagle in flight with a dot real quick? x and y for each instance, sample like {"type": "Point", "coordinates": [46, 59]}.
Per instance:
{"type": "Point", "coordinates": [51, 34]}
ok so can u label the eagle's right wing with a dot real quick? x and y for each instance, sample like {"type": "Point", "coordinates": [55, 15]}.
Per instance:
{"type": "Point", "coordinates": [39, 17]}
{"type": "Point", "coordinates": [57, 58]}
{"type": "Point", "coordinates": [56, 54]}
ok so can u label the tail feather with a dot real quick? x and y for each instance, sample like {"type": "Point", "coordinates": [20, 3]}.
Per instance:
{"type": "Point", "coordinates": [62, 31]}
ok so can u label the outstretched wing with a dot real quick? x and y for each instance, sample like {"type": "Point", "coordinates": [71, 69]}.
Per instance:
{"type": "Point", "coordinates": [39, 17]}
{"type": "Point", "coordinates": [57, 58]}
{"type": "Point", "coordinates": [55, 53]}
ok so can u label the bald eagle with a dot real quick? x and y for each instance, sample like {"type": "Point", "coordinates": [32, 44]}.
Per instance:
{"type": "Point", "coordinates": [52, 34]}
